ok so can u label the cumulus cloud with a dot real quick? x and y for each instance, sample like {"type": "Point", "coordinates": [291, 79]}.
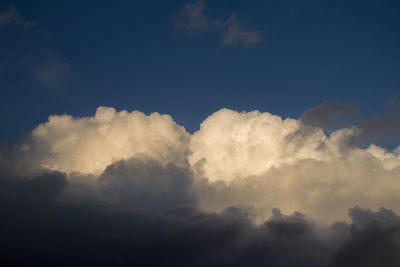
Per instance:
{"type": "Point", "coordinates": [248, 159]}
{"type": "Point", "coordinates": [88, 145]}
{"type": "Point", "coordinates": [230, 144]}
{"type": "Point", "coordinates": [49, 216]}
{"type": "Point", "coordinates": [192, 20]}
{"type": "Point", "coordinates": [248, 188]}
{"type": "Point", "coordinates": [372, 240]}
{"type": "Point", "coordinates": [260, 160]}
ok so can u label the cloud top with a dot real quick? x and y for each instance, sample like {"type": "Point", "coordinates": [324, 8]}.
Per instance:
{"type": "Point", "coordinates": [248, 188]}
{"type": "Point", "coordinates": [248, 159]}
{"type": "Point", "coordinates": [88, 145]}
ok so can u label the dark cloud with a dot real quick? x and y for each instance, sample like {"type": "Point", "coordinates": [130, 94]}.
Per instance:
{"type": "Point", "coordinates": [374, 240]}
{"type": "Point", "coordinates": [142, 213]}
{"type": "Point", "coordinates": [147, 184]}
{"type": "Point", "coordinates": [362, 217]}
{"type": "Point", "coordinates": [330, 115]}
{"type": "Point", "coordinates": [385, 128]}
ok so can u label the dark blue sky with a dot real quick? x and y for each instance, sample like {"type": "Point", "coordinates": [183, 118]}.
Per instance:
{"type": "Point", "coordinates": [71, 57]}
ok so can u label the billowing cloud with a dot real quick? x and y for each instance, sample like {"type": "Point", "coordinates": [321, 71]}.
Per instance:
{"type": "Point", "coordinates": [192, 20]}
{"type": "Point", "coordinates": [248, 159]}
{"type": "Point", "coordinates": [140, 212]}
{"type": "Point", "coordinates": [89, 145]}
{"type": "Point", "coordinates": [248, 188]}
{"type": "Point", "coordinates": [266, 162]}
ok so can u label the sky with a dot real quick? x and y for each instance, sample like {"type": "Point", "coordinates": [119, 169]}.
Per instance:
{"type": "Point", "coordinates": [71, 57]}
{"type": "Point", "coordinates": [200, 133]}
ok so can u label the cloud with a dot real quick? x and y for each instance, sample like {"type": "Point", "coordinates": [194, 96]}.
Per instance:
{"type": "Point", "coordinates": [363, 217]}
{"type": "Point", "coordinates": [230, 144]}
{"type": "Point", "coordinates": [248, 188]}
{"type": "Point", "coordinates": [237, 34]}
{"type": "Point", "coordinates": [12, 16]}
{"type": "Point", "coordinates": [383, 128]}
{"type": "Point", "coordinates": [26, 60]}
{"type": "Point", "coordinates": [247, 159]}
{"type": "Point", "coordinates": [153, 186]}
{"type": "Point", "coordinates": [51, 218]}
{"type": "Point", "coordinates": [260, 160]}
{"type": "Point", "coordinates": [329, 115]}
{"type": "Point", "coordinates": [53, 74]}
{"type": "Point", "coordinates": [89, 145]}
{"type": "Point", "coordinates": [373, 240]}
{"type": "Point", "coordinates": [191, 20]}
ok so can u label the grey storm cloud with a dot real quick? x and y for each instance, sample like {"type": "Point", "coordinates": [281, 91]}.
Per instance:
{"type": "Point", "coordinates": [331, 116]}
{"type": "Point", "coordinates": [191, 20]}
{"type": "Point", "coordinates": [54, 220]}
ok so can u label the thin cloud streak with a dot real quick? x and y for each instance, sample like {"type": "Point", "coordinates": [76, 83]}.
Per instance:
{"type": "Point", "coordinates": [191, 20]}
{"type": "Point", "coordinates": [12, 16]}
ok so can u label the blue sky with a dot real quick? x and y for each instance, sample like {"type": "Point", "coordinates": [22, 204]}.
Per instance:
{"type": "Point", "coordinates": [283, 57]}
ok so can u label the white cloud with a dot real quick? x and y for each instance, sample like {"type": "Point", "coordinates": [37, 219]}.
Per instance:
{"type": "Point", "coordinates": [89, 145]}
{"type": "Point", "coordinates": [268, 162]}
{"type": "Point", "coordinates": [248, 159]}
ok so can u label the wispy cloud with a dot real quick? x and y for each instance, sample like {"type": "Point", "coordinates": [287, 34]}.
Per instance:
{"type": "Point", "coordinates": [237, 34]}
{"type": "Point", "coordinates": [12, 16]}
{"type": "Point", "coordinates": [53, 74]}
{"type": "Point", "coordinates": [33, 59]}
{"type": "Point", "coordinates": [192, 20]}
